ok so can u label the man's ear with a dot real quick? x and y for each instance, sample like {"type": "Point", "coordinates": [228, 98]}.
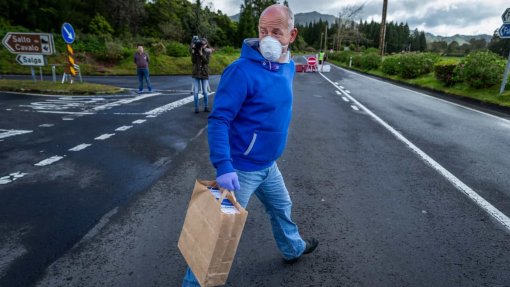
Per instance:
{"type": "Point", "coordinates": [293, 35]}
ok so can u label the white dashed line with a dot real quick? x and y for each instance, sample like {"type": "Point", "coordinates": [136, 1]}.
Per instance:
{"type": "Point", "coordinates": [49, 161]}
{"type": "Point", "coordinates": [157, 111]}
{"type": "Point", "coordinates": [10, 133]}
{"type": "Point", "coordinates": [456, 182]}
{"type": "Point", "coordinates": [338, 93]}
{"type": "Point", "coordinates": [139, 122]}
{"type": "Point", "coordinates": [46, 125]}
{"type": "Point", "coordinates": [80, 147]}
{"type": "Point", "coordinates": [11, 177]}
{"type": "Point", "coordinates": [123, 128]}
{"type": "Point", "coordinates": [354, 108]}
{"type": "Point", "coordinates": [345, 99]}
{"type": "Point", "coordinates": [103, 137]}
{"type": "Point", "coordinates": [346, 91]}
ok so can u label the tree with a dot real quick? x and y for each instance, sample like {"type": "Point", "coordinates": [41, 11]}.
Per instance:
{"type": "Point", "coordinates": [100, 26]}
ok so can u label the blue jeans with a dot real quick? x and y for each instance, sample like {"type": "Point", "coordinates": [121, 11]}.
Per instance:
{"type": "Point", "coordinates": [143, 73]}
{"type": "Point", "coordinates": [197, 85]}
{"type": "Point", "coordinates": [268, 186]}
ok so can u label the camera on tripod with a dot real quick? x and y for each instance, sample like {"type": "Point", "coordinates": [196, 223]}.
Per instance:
{"type": "Point", "coordinates": [197, 43]}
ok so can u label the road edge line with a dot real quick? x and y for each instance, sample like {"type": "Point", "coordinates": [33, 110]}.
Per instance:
{"type": "Point", "coordinates": [456, 182]}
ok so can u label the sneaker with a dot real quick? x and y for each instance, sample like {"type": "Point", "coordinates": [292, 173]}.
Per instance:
{"type": "Point", "coordinates": [139, 91]}
{"type": "Point", "coordinates": [196, 111]}
{"type": "Point", "coordinates": [311, 245]}
{"type": "Point", "coordinates": [206, 110]}
{"type": "Point", "coordinates": [150, 90]}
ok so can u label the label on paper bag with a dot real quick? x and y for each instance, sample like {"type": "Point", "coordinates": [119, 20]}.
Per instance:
{"type": "Point", "coordinates": [227, 206]}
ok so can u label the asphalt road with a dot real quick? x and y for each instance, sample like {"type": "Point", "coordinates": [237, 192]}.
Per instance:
{"type": "Point", "coordinates": [401, 189]}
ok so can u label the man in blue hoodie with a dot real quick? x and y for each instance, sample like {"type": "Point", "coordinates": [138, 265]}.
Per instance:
{"type": "Point", "coordinates": [248, 128]}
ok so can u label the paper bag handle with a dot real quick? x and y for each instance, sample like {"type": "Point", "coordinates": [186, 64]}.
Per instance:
{"type": "Point", "coordinates": [224, 195]}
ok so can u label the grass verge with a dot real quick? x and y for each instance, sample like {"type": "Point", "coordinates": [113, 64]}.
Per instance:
{"type": "Point", "coordinates": [47, 87]}
{"type": "Point", "coordinates": [490, 95]}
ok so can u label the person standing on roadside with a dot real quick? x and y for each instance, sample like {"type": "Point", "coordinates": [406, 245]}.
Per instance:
{"type": "Point", "coordinates": [248, 126]}
{"type": "Point", "coordinates": [142, 68]}
{"type": "Point", "coordinates": [200, 54]}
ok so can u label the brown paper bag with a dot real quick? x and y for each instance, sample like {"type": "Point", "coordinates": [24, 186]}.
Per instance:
{"type": "Point", "coordinates": [209, 237]}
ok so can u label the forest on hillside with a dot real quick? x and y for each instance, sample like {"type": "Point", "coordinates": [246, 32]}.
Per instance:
{"type": "Point", "coordinates": [168, 25]}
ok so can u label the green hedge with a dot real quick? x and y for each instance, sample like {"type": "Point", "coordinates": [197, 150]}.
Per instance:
{"type": "Point", "coordinates": [444, 72]}
{"type": "Point", "coordinates": [391, 65]}
{"type": "Point", "coordinates": [480, 70]}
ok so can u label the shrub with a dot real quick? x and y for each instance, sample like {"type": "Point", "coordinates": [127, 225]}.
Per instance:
{"type": "Point", "coordinates": [391, 65]}
{"type": "Point", "coordinates": [444, 72]}
{"type": "Point", "coordinates": [176, 49]}
{"type": "Point", "coordinates": [370, 61]}
{"type": "Point", "coordinates": [113, 52]}
{"type": "Point", "coordinates": [158, 48]}
{"type": "Point", "coordinates": [100, 26]}
{"type": "Point", "coordinates": [480, 70]}
{"type": "Point", "coordinates": [428, 61]}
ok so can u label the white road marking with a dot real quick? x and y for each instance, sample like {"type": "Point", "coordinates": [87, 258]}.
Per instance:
{"type": "Point", "coordinates": [345, 99]}
{"type": "Point", "coordinates": [338, 93]}
{"type": "Point", "coordinates": [103, 137]}
{"type": "Point", "coordinates": [422, 94]}
{"type": "Point", "coordinates": [123, 128]}
{"type": "Point", "coordinates": [49, 161]}
{"type": "Point", "coordinates": [67, 119]}
{"type": "Point", "coordinates": [10, 133]}
{"type": "Point", "coordinates": [157, 111]}
{"type": "Point", "coordinates": [461, 186]}
{"type": "Point", "coordinates": [354, 108]}
{"type": "Point", "coordinates": [346, 91]}
{"type": "Point", "coordinates": [11, 177]}
{"type": "Point", "coordinates": [80, 147]}
{"type": "Point", "coordinates": [124, 101]}
{"type": "Point", "coordinates": [46, 125]}
{"type": "Point", "coordinates": [66, 113]}
{"type": "Point", "coordinates": [139, 122]}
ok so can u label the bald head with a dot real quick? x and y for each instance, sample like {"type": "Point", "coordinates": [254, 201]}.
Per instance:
{"type": "Point", "coordinates": [281, 11]}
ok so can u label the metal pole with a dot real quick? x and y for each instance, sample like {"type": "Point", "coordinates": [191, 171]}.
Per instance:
{"type": "Point", "coordinates": [505, 76]}
{"type": "Point", "coordinates": [53, 73]}
{"type": "Point", "coordinates": [33, 73]}
{"type": "Point", "coordinates": [40, 72]}
{"type": "Point", "coordinates": [382, 32]}
{"type": "Point", "coordinates": [326, 39]}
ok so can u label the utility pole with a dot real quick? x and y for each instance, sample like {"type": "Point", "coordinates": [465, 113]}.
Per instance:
{"type": "Point", "coordinates": [382, 33]}
{"type": "Point", "coordinates": [326, 39]}
{"type": "Point", "coordinates": [320, 43]}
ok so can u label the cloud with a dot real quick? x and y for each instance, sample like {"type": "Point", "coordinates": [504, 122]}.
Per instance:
{"type": "Point", "coordinates": [441, 17]}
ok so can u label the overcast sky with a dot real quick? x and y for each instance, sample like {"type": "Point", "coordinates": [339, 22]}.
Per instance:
{"type": "Point", "coordinates": [439, 17]}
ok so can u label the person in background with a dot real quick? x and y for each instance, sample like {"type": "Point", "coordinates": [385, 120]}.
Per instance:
{"type": "Point", "coordinates": [200, 54]}
{"type": "Point", "coordinates": [248, 126]}
{"type": "Point", "coordinates": [321, 57]}
{"type": "Point", "coordinates": [142, 68]}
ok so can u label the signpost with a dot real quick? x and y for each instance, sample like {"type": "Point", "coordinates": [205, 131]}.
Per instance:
{"type": "Point", "coordinates": [67, 32]}
{"type": "Point", "coordinates": [504, 33]}
{"type": "Point", "coordinates": [29, 43]}
{"type": "Point", "coordinates": [30, 60]}
{"type": "Point", "coordinates": [69, 36]}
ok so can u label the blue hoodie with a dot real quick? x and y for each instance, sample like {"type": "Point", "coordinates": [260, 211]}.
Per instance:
{"type": "Point", "coordinates": [251, 115]}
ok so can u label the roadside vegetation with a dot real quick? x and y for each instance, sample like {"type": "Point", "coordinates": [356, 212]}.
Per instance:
{"type": "Point", "coordinates": [47, 87]}
{"type": "Point", "coordinates": [107, 33]}
{"type": "Point", "coordinates": [476, 76]}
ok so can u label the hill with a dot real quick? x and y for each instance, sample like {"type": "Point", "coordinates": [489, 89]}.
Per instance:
{"type": "Point", "coordinates": [461, 39]}
{"type": "Point", "coordinates": [302, 18]}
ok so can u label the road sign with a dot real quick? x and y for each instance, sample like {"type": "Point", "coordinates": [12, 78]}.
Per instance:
{"type": "Point", "coordinates": [506, 16]}
{"type": "Point", "coordinates": [29, 43]}
{"type": "Point", "coordinates": [68, 33]}
{"type": "Point", "coordinates": [504, 31]}
{"type": "Point", "coordinates": [30, 60]}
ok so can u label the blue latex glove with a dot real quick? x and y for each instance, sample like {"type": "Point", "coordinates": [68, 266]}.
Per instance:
{"type": "Point", "coordinates": [228, 181]}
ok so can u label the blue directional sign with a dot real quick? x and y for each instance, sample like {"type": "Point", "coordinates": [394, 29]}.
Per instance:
{"type": "Point", "coordinates": [68, 33]}
{"type": "Point", "coordinates": [504, 31]}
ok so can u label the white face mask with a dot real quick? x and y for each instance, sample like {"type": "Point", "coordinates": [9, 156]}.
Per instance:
{"type": "Point", "coordinates": [271, 49]}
